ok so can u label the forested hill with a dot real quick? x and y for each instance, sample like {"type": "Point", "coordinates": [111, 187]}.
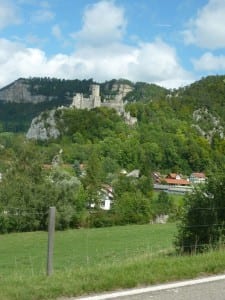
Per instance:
{"type": "Point", "coordinates": [178, 131]}
{"type": "Point", "coordinates": [208, 92]}
{"type": "Point", "coordinates": [24, 99]}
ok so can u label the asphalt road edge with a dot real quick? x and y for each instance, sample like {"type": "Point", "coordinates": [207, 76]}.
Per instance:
{"type": "Point", "coordinates": [154, 288]}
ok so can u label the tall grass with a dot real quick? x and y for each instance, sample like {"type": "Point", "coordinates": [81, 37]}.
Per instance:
{"type": "Point", "coordinates": [90, 261]}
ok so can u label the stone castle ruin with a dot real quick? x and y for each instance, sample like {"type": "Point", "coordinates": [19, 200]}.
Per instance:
{"type": "Point", "coordinates": [94, 100]}
{"type": "Point", "coordinates": [116, 102]}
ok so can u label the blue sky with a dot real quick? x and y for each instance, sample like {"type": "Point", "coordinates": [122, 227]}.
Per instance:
{"type": "Point", "coordinates": [170, 43]}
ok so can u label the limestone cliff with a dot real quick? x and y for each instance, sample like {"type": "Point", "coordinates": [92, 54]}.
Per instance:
{"type": "Point", "coordinates": [44, 127]}
{"type": "Point", "coordinates": [18, 92]}
{"type": "Point", "coordinates": [207, 124]}
{"type": "Point", "coordinates": [122, 89]}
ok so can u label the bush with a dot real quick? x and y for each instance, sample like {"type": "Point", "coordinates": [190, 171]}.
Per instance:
{"type": "Point", "coordinates": [162, 205]}
{"type": "Point", "coordinates": [102, 218]}
{"type": "Point", "coordinates": [132, 208]}
{"type": "Point", "coordinates": [202, 223]}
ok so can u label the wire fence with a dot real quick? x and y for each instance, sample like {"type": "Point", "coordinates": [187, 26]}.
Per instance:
{"type": "Point", "coordinates": [26, 253]}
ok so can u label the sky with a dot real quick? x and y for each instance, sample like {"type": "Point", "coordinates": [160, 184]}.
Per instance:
{"type": "Point", "coordinates": [171, 43]}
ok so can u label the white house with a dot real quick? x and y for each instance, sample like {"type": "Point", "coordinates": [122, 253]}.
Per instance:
{"type": "Point", "coordinates": [106, 197]}
{"type": "Point", "coordinates": [196, 178]}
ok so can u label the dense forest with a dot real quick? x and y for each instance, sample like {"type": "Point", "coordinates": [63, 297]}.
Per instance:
{"type": "Point", "coordinates": [178, 131]}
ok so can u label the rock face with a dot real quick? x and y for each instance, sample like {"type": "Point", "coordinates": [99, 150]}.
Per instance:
{"type": "Point", "coordinates": [18, 92]}
{"type": "Point", "coordinates": [43, 127]}
{"type": "Point", "coordinates": [122, 89]}
{"type": "Point", "coordinates": [207, 124]}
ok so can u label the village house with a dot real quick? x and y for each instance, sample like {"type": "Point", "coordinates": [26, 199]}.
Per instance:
{"type": "Point", "coordinates": [172, 183]}
{"type": "Point", "coordinates": [175, 179]}
{"type": "Point", "coordinates": [196, 178]}
{"type": "Point", "coordinates": [106, 197]}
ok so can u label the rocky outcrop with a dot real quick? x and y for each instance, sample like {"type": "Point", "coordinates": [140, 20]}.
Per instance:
{"type": "Point", "coordinates": [122, 89]}
{"type": "Point", "coordinates": [43, 127]}
{"type": "Point", "coordinates": [207, 124]}
{"type": "Point", "coordinates": [18, 92]}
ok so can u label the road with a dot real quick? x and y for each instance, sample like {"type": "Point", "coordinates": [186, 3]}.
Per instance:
{"type": "Point", "coordinates": [210, 288]}
{"type": "Point", "coordinates": [204, 291]}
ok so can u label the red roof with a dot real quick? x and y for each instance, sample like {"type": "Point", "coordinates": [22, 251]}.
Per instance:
{"type": "Point", "coordinates": [176, 181]}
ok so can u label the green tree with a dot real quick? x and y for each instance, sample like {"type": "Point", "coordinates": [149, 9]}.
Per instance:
{"type": "Point", "coordinates": [162, 205]}
{"type": "Point", "coordinates": [94, 177]}
{"type": "Point", "coordinates": [203, 220]}
{"type": "Point", "coordinates": [132, 208]}
{"type": "Point", "coordinates": [24, 207]}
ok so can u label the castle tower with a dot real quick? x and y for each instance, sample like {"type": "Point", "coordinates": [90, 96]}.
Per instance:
{"type": "Point", "coordinates": [95, 90]}
{"type": "Point", "coordinates": [95, 95]}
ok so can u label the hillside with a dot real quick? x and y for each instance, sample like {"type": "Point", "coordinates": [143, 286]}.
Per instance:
{"type": "Point", "coordinates": [176, 130]}
{"type": "Point", "coordinates": [180, 130]}
{"type": "Point", "coordinates": [25, 99]}
{"type": "Point", "coordinates": [206, 93]}
{"type": "Point", "coordinates": [71, 154]}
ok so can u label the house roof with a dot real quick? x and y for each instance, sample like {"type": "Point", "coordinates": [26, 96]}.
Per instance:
{"type": "Point", "coordinates": [107, 187]}
{"type": "Point", "coordinates": [176, 181]}
{"type": "Point", "coordinates": [198, 175]}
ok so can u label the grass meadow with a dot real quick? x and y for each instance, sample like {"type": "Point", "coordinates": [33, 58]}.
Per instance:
{"type": "Point", "coordinates": [96, 260]}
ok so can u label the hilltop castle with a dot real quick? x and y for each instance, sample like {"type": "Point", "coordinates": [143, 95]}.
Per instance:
{"type": "Point", "coordinates": [116, 101]}
{"type": "Point", "coordinates": [94, 100]}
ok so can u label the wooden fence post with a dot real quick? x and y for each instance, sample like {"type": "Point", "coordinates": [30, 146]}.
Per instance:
{"type": "Point", "coordinates": [51, 231]}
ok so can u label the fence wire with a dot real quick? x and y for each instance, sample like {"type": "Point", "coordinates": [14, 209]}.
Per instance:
{"type": "Point", "coordinates": [26, 252]}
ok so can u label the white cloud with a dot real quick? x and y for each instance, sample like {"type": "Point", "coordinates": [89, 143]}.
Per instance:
{"type": "Point", "coordinates": [18, 61]}
{"type": "Point", "coordinates": [207, 29]}
{"type": "Point", "coordinates": [209, 62]}
{"type": "Point", "coordinates": [153, 62]}
{"type": "Point", "coordinates": [100, 54]}
{"type": "Point", "coordinates": [157, 61]}
{"type": "Point", "coordinates": [103, 22]}
{"type": "Point", "coordinates": [8, 14]}
{"type": "Point", "coordinates": [104, 55]}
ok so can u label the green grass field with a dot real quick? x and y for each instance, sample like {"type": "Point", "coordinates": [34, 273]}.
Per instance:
{"type": "Point", "coordinates": [96, 260]}
{"type": "Point", "coordinates": [25, 253]}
